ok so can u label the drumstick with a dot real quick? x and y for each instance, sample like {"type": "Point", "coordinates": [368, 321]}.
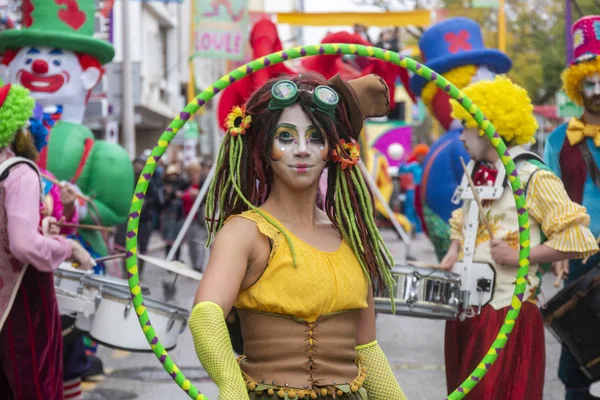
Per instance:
{"type": "Point", "coordinates": [478, 200]}
{"type": "Point", "coordinates": [78, 195]}
{"type": "Point", "coordinates": [78, 226]}
{"type": "Point", "coordinates": [111, 257]}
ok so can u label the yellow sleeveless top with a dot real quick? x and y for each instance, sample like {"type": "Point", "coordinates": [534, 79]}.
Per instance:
{"type": "Point", "coordinates": [322, 282]}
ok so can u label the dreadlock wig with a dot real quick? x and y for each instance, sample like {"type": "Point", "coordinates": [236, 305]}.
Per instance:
{"type": "Point", "coordinates": [243, 176]}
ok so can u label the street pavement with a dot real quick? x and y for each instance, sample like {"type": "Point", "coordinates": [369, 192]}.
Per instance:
{"type": "Point", "coordinates": [413, 346]}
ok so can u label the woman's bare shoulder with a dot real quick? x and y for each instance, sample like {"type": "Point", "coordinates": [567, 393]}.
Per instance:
{"type": "Point", "coordinates": [238, 228]}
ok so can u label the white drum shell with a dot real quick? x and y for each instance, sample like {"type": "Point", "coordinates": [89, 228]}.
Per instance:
{"type": "Point", "coordinates": [422, 293]}
{"type": "Point", "coordinates": [68, 278]}
{"type": "Point", "coordinates": [115, 322]}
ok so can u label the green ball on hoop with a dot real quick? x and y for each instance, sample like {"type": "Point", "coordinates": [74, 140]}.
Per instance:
{"type": "Point", "coordinates": [306, 51]}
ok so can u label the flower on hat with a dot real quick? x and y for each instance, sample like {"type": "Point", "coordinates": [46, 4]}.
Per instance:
{"type": "Point", "coordinates": [237, 121]}
{"type": "Point", "coordinates": [351, 149]}
{"type": "Point", "coordinates": [578, 38]}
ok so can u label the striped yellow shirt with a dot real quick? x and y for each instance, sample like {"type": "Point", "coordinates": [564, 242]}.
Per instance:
{"type": "Point", "coordinates": [564, 222]}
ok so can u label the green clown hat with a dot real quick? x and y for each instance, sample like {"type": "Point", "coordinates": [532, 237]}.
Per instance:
{"type": "Point", "coordinates": [68, 26]}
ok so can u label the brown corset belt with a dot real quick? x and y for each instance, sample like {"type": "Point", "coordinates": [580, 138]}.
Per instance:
{"type": "Point", "coordinates": [282, 351]}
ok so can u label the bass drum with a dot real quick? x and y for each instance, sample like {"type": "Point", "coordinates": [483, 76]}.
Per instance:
{"type": "Point", "coordinates": [421, 293]}
{"type": "Point", "coordinates": [573, 317]}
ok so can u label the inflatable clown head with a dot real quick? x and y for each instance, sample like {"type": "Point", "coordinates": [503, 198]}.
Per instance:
{"type": "Point", "coordinates": [455, 49]}
{"type": "Point", "coordinates": [55, 55]}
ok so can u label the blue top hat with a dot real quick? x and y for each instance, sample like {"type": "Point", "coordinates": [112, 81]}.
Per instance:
{"type": "Point", "coordinates": [453, 43]}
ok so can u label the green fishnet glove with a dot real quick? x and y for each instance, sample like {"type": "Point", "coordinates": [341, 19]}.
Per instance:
{"type": "Point", "coordinates": [213, 346]}
{"type": "Point", "coordinates": [380, 382]}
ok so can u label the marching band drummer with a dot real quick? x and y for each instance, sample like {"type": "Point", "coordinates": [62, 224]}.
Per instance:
{"type": "Point", "coordinates": [30, 329]}
{"type": "Point", "coordinates": [573, 153]}
{"type": "Point", "coordinates": [519, 371]}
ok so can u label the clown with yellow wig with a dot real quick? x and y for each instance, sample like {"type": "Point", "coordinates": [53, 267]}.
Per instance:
{"type": "Point", "coordinates": [487, 257]}
{"type": "Point", "coordinates": [573, 153]}
{"type": "Point", "coordinates": [455, 49]}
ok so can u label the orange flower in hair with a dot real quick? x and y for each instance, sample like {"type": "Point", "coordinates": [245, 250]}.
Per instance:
{"type": "Point", "coordinates": [352, 149]}
{"type": "Point", "coordinates": [237, 121]}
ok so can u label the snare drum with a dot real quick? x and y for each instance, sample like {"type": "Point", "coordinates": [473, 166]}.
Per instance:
{"type": "Point", "coordinates": [422, 293]}
{"type": "Point", "coordinates": [68, 278]}
{"type": "Point", "coordinates": [573, 316]}
{"type": "Point", "coordinates": [115, 323]}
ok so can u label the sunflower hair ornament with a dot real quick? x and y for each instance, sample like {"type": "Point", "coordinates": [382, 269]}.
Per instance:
{"type": "Point", "coordinates": [348, 154]}
{"type": "Point", "coordinates": [237, 121]}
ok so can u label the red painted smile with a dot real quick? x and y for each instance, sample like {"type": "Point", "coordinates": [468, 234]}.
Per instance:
{"type": "Point", "coordinates": [46, 84]}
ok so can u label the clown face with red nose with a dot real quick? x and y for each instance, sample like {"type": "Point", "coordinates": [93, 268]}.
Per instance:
{"type": "Point", "coordinates": [57, 58]}
{"type": "Point", "coordinates": [55, 77]}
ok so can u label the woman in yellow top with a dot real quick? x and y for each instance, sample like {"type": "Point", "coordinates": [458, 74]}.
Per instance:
{"type": "Point", "coordinates": [302, 279]}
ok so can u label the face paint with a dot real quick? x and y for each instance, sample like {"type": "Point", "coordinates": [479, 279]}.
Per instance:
{"type": "Point", "coordinates": [299, 152]}
{"type": "Point", "coordinates": [591, 93]}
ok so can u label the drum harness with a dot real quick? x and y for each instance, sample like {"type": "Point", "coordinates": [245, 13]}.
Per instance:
{"type": "Point", "coordinates": [484, 285]}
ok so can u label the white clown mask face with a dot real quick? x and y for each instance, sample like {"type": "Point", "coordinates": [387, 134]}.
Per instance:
{"type": "Point", "coordinates": [52, 75]}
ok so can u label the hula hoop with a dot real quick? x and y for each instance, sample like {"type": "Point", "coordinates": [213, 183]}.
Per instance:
{"type": "Point", "coordinates": [305, 51]}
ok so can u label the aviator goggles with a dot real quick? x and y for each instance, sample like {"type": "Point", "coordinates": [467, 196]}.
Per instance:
{"type": "Point", "coordinates": [285, 93]}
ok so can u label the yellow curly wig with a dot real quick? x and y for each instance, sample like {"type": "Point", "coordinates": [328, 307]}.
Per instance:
{"type": "Point", "coordinates": [459, 76]}
{"type": "Point", "coordinates": [505, 104]}
{"type": "Point", "coordinates": [575, 74]}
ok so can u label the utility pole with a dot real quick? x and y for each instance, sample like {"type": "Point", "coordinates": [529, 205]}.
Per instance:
{"type": "Point", "coordinates": [127, 113]}
{"type": "Point", "coordinates": [501, 27]}
{"type": "Point", "coordinates": [568, 33]}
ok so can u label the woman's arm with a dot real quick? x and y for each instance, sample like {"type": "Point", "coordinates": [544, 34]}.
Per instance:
{"type": "Point", "coordinates": [231, 254]}
{"type": "Point", "coordinates": [22, 205]}
{"type": "Point", "coordinates": [380, 381]}
{"type": "Point", "coordinates": [366, 331]}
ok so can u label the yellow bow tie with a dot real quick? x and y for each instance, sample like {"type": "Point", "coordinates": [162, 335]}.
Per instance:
{"type": "Point", "coordinates": [578, 130]}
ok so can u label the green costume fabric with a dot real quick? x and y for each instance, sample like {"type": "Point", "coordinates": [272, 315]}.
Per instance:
{"type": "Point", "coordinates": [107, 176]}
{"type": "Point", "coordinates": [439, 232]}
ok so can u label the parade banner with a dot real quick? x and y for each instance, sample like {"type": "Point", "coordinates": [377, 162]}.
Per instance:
{"type": "Point", "coordinates": [220, 28]}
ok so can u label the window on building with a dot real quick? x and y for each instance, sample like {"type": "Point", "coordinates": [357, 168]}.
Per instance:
{"type": "Point", "coordinates": [163, 38]}
{"type": "Point", "coordinates": [164, 31]}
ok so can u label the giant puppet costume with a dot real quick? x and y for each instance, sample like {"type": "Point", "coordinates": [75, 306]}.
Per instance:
{"type": "Point", "coordinates": [56, 57]}
{"type": "Point", "coordinates": [573, 153]}
{"type": "Point", "coordinates": [455, 49]}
